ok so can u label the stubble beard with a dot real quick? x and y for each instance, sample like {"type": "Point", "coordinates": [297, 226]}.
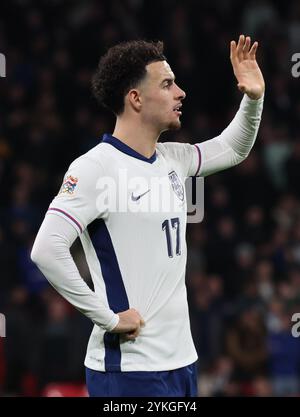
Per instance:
{"type": "Point", "coordinates": [176, 125]}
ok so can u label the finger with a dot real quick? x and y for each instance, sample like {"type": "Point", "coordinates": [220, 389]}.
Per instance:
{"type": "Point", "coordinates": [240, 46]}
{"type": "Point", "coordinates": [142, 323]}
{"type": "Point", "coordinates": [246, 47]}
{"type": "Point", "coordinates": [140, 318]}
{"type": "Point", "coordinates": [252, 53]}
{"type": "Point", "coordinates": [131, 335]}
{"type": "Point", "coordinates": [135, 332]}
{"type": "Point", "coordinates": [127, 337]}
{"type": "Point", "coordinates": [233, 53]}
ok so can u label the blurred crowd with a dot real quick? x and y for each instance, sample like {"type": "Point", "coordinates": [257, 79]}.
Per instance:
{"type": "Point", "coordinates": [243, 272]}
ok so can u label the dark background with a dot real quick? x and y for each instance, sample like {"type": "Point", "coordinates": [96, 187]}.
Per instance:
{"type": "Point", "coordinates": [243, 272]}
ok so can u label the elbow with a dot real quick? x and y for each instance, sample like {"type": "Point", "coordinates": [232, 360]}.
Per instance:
{"type": "Point", "coordinates": [39, 253]}
{"type": "Point", "coordinates": [36, 253]}
{"type": "Point", "coordinates": [238, 158]}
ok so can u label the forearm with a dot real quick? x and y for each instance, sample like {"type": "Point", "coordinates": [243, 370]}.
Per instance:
{"type": "Point", "coordinates": [233, 145]}
{"type": "Point", "coordinates": [51, 253]}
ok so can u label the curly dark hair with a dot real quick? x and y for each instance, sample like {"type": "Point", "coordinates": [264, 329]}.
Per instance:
{"type": "Point", "coordinates": [122, 68]}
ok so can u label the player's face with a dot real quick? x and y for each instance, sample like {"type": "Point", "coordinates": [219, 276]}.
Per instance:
{"type": "Point", "coordinates": [161, 97]}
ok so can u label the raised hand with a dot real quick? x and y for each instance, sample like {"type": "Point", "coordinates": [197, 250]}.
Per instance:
{"type": "Point", "coordinates": [245, 68]}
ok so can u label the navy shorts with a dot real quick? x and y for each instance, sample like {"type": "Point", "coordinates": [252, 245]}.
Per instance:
{"type": "Point", "coordinates": [180, 382]}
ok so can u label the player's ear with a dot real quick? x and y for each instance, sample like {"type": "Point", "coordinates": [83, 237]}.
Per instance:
{"type": "Point", "coordinates": [134, 99]}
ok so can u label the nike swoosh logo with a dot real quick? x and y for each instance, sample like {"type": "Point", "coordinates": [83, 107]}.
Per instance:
{"type": "Point", "coordinates": [136, 198]}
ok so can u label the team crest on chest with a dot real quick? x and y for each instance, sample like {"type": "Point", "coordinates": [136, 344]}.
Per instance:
{"type": "Point", "coordinates": [176, 185]}
{"type": "Point", "coordinates": [68, 185]}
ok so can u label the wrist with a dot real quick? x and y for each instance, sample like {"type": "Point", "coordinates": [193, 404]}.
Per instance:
{"type": "Point", "coordinates": [256, 97]}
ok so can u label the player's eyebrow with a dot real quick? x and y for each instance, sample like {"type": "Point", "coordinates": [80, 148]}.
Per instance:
{"type": "Point", "coordinates": [168, 79]}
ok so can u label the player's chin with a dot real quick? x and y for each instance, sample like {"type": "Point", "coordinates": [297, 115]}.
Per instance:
{"type": "Point", "coordinates": [174, 125]}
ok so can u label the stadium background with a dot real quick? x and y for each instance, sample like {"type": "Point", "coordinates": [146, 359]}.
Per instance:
{"type": "Point", "coordinates": [243, 272]}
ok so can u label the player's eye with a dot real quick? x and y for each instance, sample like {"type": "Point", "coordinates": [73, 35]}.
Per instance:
{"type": "Point", "coordinates": [168, 84]}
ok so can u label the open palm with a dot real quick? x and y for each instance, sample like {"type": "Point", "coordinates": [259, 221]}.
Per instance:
{"type": "Point", "coordinates": [245, 67]}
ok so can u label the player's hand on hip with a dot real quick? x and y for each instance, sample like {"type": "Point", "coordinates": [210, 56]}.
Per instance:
{"type": "Point", "coordinates": [245, 67]}
{"type": "Point", "coordinates": [130, 324]}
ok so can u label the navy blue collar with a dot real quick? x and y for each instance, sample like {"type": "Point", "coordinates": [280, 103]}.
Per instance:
{"type": "Point", "coordinates": [121, 146]}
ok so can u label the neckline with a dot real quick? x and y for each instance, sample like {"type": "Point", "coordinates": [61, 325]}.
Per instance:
{"type": "Point", "coordinates": [122, 147]}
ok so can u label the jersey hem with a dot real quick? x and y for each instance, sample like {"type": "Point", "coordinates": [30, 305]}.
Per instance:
{"type": "Point", "coordinates": [143, 367]}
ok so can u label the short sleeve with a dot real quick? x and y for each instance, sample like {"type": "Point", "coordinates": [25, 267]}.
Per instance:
{"type": "Point", "coordinates": [187, 156]}
{"type": "Point", "coordinates": [76, 200]}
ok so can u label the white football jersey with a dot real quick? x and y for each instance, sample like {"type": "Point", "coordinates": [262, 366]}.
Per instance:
{"type": "Point", "coordinates": [130, 212]}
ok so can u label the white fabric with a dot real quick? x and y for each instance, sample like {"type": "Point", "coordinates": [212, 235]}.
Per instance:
{"type": "Point", "coordinates": [233, 145]}
{"type": "Point", "coordinates": [154, 281]}
{"type": "Point", "coordinates": [51, 252]}
{"type": "Point", "coordinates": [230, 148]}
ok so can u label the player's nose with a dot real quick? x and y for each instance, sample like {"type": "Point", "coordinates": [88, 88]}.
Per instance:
{"type": "Point", "coordinates": [180, 94]}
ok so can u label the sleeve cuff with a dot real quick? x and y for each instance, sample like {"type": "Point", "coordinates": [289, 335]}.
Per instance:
{"type": "Point", "coordinates": [252, 101]}
{"type": "Point", "coordinates": [113, 323]}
